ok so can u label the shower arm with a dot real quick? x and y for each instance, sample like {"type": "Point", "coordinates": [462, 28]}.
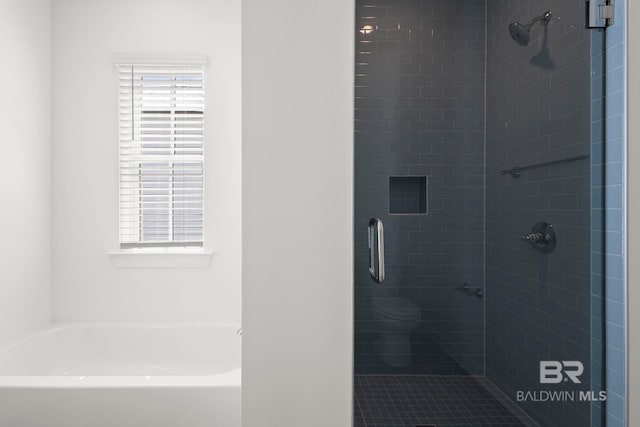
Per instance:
{"type": "Point", "coordinates": [544, 18]}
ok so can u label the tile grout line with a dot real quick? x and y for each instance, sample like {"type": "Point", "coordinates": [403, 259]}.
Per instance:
{"type": "Point", "coordinates": [360, 409]}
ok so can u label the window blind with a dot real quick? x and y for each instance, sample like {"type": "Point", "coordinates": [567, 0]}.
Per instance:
{"type": "Point", "coordinates": [161, 137]}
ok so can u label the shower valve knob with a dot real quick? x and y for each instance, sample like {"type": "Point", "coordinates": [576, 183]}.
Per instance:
{"type": "Point", "coordinates": [536, 237]}
{"type": "Point", "coordinates": [542, 237]}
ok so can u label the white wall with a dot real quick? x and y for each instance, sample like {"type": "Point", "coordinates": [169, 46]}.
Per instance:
{"type": "Point", "coordinates": [297, 212]}
{"type": "Point", "coordinates": [25, 268]}
{"type": "Point", "coordinates": [86, 36]}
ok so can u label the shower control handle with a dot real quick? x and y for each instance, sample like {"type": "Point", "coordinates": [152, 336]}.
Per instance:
{"type": "Point", "coordinates": [376, 247]}
{"type": "Point", "coordinates": [537, 237]}
{"type": "Point", "coordinates": [542, 237]}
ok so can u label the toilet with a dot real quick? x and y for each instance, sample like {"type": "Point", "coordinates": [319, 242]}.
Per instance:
{"type": "Point", "coordinates": [396, 318]}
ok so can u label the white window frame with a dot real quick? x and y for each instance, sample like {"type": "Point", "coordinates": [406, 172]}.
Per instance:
{"type": "Point", "coordinates": [171, 243]}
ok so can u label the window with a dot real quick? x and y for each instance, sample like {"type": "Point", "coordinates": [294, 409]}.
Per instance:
{"type": "Point", "coordinates": [161, 136]}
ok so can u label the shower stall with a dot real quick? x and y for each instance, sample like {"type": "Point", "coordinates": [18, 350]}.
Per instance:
{"type": "Point", "coordinates": [478, 172]}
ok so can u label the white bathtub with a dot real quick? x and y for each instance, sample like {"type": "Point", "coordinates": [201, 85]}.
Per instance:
{"type": "Point", "coordinates": [122, 375]}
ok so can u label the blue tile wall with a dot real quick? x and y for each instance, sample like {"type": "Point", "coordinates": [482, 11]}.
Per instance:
{"type": "Point", "coordinates": [608, 230]}
{"type": "Point", "coordinates": [538, 110]}
{"type": "Point", "coordinates": [420, 112]}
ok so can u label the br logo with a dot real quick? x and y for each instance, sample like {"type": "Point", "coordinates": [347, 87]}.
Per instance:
{"type": "Point", "coordinates": [555, 372]}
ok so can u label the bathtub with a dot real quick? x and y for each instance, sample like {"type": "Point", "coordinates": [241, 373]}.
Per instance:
{"type": "Point", "coordinates": [122, 375]}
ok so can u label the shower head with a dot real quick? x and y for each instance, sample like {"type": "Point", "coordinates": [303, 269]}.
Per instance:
{"type": "Point", "coordinates": [522, 33]}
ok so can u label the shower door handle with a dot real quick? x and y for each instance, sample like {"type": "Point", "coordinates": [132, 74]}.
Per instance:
{"type": "Point", "coordinates": [376, 247]}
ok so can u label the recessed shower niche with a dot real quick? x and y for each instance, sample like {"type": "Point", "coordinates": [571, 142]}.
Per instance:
{"type": "Point", "coordinates": [408, 194]}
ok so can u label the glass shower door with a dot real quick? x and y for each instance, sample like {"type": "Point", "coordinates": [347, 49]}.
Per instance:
{"type": "Point", "coordinates": [478, 144]}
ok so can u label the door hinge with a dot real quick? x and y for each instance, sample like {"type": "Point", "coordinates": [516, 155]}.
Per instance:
{"type": "Point", "coordinates": [600, 13]}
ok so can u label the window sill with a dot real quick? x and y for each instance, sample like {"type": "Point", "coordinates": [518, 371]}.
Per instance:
{"type": "Point", "coordinates": [161, 258]}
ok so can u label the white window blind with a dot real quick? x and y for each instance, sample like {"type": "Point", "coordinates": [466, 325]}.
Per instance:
{"type": "Point", "coordinates": [161, 123]}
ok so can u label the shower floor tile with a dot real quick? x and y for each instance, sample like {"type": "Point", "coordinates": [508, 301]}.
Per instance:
{"type": "Point", "coordinates": [426, 400]}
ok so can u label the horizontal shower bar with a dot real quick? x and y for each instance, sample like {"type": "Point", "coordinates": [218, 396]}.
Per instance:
{"type": "Point", "coordinates": [517, 170]}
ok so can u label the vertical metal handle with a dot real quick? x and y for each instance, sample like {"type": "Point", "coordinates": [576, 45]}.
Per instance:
{"type": "Point", "coordinates": [376, 245]}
